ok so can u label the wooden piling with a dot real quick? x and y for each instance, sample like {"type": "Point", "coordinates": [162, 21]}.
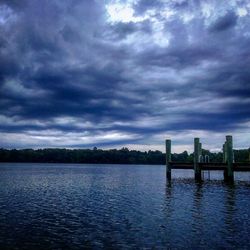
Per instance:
{"type": "Point", "coordinates": [168, 159]}
{"type": "Point", "coordinates": [225, 159]}
{"type": "Point", "coordinates": [197, 169]}
{"type": "Point", "coordinates": [200, 153]}
{"type": "Point", "coordinates": [224, 153]}
{"type": "Point", "coordinates": [229, 154]}
{"type": "Point", "coordinates": [200, 149]}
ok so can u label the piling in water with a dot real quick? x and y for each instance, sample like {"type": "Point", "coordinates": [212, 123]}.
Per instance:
{"type": "Point", "coordinates": [197, 150]}
{"type": "Point", "coordinates": [229, 153]}
{"type": "Point", "coordinates": [225, 159]}
{"type": "Point", "coordinates": [168, 159]}
{"type": "Point", "coordinates": [225, 152]}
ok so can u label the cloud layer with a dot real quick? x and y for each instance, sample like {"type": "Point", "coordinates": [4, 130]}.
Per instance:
{"type": "Point", "coordinates": [124, 73]}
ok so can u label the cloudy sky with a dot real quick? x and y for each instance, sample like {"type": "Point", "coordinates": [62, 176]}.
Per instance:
{"type": "Point", "coordinates": [114, 73]}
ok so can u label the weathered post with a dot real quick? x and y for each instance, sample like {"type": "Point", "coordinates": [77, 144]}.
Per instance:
{"type": "Point", "coordinates": [197, 169]}
{"type": "Point", "coordinates": [200, 153]}
{"type": "Point", "coordinates": [229, 153]}
{"type": "Point", "coordinates": [225, 160]}
{"type": "Point", "coordinates": [168, 159]}
{"type": "Point", "coordinates": [200, 148]}
{"type": "Point", "coordinates": [224, 152]}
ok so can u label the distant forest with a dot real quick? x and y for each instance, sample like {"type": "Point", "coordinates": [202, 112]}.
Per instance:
{"type": "Point", "coordinates": [112, 156]}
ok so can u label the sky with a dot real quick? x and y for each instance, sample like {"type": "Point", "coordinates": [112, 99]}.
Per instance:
{"type": "Point", "coordinates": [123, 73]}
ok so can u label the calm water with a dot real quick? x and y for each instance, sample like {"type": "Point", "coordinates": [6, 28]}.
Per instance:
{"type": "Point", "coordinates": [52, 206]}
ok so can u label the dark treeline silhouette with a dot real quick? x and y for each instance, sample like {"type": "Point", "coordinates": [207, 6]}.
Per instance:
{"type": "Point", "coordinates": [122, 156]}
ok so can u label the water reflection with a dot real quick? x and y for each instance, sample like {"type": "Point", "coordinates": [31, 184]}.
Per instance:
{"type": "Point", "coordinates": [197, 207]}
{"type": "Point", "coordinates": [206, 212]}
{"type": "Point", "coordinates": [129, 207]}
{"type": "Point", "coordinates": [230, 210]}
{"type": "Point", "coordinates": [168, 187]}
{"type": "Point", "coordinates": [198, 214]}
{"type": "Point", "coordinates": [168, 195]}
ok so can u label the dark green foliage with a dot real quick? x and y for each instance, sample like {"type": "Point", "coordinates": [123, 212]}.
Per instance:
{"type": "Point", "coordinates": [242, 155]}
{"type": "Point", "coordinates": [122, 156]}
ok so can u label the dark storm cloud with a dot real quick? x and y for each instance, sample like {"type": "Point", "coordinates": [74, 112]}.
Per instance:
{"type": "Point", "coordinates": [122, 30]}
{"type": "Point", "coordinates": [82, 72]}
{"type": "Point", "coordinates": [225, 22]}
{"type": "Point", "coordinates": [15, 4]}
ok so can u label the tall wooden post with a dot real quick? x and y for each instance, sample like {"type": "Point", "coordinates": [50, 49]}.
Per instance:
{"type": "Point", "coordinates": [168, 159]}
{"type": "Point", "coordinates": [200, 149]}
{"type": "Point", "coordinates": [200, 153]}
{"type": "Point", "coordinates": [224, 152]}
{"type": "Point", "coordinates": [197, 170]}
{"type": "Point", "coordinates": [229, 153]}
{"type": "Point", "coordinates": [225, 158]}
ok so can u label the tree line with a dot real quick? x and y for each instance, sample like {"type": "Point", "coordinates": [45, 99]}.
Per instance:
{"type": "Point", "coordinates": [111, 156]}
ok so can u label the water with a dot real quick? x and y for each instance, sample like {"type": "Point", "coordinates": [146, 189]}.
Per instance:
{"type": "Point", "coordinates": [57, 206]}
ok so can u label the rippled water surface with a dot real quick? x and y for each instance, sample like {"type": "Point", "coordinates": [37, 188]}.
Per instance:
{"type": "Point", "coordinates": [56, 206]}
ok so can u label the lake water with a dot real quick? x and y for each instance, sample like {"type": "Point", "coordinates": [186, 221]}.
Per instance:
{"type": "Point", "coordinates": [57, 206]}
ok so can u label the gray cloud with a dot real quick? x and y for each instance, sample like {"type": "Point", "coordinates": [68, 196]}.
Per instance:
{"type": "Point", "coordinates": [225, 22]}
{"type": "Point", "coordinates": [74, 67]}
